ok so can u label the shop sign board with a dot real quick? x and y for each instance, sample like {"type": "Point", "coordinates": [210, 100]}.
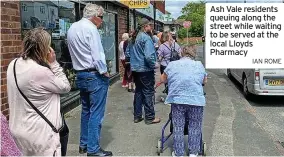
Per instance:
{"type": "Point", "coordinates": [136, 4]}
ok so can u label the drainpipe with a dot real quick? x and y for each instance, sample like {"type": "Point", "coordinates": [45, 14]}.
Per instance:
{"type": "Point", "coordinates": [154, 15]}
{"type": "Point", "coordinates": [134, 16]}
{"type": "Point", "coordinates": [128, 20]}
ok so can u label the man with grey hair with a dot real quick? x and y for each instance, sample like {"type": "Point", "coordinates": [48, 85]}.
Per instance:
{"type": "Point", "coordinates": [88, 59]}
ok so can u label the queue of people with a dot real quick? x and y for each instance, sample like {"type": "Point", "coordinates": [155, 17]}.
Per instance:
{"type": "Point", "coordinates": [36, 80]}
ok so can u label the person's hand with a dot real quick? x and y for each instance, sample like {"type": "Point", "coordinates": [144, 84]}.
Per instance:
{"type": "Point", "coordinates": [106, 74]}
{"type": "Point", "coordinates": [51, 57]}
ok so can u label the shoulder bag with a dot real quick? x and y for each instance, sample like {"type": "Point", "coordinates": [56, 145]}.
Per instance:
{"type": "Point", "coordinates": [63, 131]}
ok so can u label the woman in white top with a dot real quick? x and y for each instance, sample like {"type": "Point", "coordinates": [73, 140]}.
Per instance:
{"type": "Point", "coordinates": [42, 80]}
{"type": "Point", "coordinates": [125, 37]}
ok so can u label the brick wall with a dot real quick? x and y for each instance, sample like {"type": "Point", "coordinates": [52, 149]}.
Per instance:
{"type": "Point", "coordinates": [122, 28]}
{"type": "Point", "coordinates": [10, 43]}
{"type": "Point", "coordinates": [191, 40]}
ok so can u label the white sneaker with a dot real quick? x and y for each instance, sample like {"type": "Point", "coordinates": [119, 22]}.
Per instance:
{"type": "Point", "coordinates": [174, 155]}
{"type": "Point", "coordinates": [192, 155]}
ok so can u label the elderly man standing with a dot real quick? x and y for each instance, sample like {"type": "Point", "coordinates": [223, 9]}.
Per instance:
{"type": "Point", "coordinates": [143, 63]}
{"type": "Point", "coordinates": [88, 60]}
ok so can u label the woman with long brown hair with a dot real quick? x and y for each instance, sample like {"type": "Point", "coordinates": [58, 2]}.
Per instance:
{"type": "Point", "coordinates": [168, 45]}
{"type": "Point", "coordinates": [40, 78]}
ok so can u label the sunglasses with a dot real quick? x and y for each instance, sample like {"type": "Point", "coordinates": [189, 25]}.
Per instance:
{"type": "Point", "coordinates": [101, 17]}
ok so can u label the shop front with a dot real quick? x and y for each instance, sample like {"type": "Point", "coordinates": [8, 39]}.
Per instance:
{"type": "Point", "coordinates": [56, 17]}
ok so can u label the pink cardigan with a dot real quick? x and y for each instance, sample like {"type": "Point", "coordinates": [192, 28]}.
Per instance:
{"type": "Point", "coordinates": [42, 86]}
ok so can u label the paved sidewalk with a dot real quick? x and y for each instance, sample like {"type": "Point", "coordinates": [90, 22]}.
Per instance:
{"type": "Point", "coordinates": [229, 129]}
{"type": "Point", "coordinates": [119, 133]}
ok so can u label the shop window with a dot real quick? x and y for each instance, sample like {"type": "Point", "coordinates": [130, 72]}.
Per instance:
{"type": "Point", "coordinates": [56, 17]}
{"type": "Point", "coordinates": [66, 16]}
{"type": "Point", "coordinates": [81, 6]}
{"type": "Point", "coordinates": [108, 37]}
{"type": "Point", "coordinates": [42, 9]}
{"type": "Point", "coordinates": [24, 8]}
{"type": "Point", "coordinates": [111, 7]}
{"type": "Point", "coordinates": [131, 23]}
{"type": "Point", "coordinates": [109, 41]}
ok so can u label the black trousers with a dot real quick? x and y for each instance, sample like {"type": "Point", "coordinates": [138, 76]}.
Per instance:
{"type": "Point", "coordinates": [144, 94]}
{"type": "Point", "coordinates": [162, 69]}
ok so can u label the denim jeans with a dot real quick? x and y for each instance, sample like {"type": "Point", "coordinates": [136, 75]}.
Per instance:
{"type": "Point", "coordinates": [93, 91]}
{"type": "Point", "coordinates": [144, 94]}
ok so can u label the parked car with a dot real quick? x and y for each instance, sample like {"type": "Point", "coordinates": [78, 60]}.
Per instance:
{"type": "Point", "coordinates": [259, 81]}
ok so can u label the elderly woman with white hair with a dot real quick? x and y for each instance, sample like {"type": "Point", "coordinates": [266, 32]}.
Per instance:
{"type": "Point", "coordinates": [187, 99]}
{"type": "Point", "coordinates": [125, 37]}
{"type": "Point", "coordinates": [88, 59]}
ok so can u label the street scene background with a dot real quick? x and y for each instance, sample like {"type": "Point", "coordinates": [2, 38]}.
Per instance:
{"type": "Point", "coordinates": [232, 125]}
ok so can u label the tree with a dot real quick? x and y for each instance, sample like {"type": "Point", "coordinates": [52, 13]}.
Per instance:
{"type": "Point", "coordinates": [194, 12]}
{"type": "Point", "coordinates": [194, 7]}
{"type": "Point", "coordinates": [182, 17]}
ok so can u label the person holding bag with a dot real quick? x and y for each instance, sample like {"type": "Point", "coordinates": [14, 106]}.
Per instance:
{"type": "Point", "coordinates": [34, 84]}
{"type": "Point", "coordinates": [168, 51]}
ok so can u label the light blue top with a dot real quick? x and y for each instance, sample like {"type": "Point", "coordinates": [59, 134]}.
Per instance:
{"type": "Point", "coordinates": [185, 78]}
{"type": "Point", "coordinates": [85, 46]}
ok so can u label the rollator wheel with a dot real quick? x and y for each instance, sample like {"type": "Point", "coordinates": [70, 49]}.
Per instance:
{"type": "Point", "coordinates": [159, 148]}
{"type": "Point", "coordinates": [204, 148]}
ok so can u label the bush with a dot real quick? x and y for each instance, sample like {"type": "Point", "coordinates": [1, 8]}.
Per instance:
{"type": "Point", "coordinates": [182, 33]}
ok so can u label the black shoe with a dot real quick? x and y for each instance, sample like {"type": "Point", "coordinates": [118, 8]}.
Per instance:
{"type": "Point", "coordinates": [137, 120]}
{"type": "Point", "coordinates": [100, 153]}
{"type": "Point", "coordinates": [82, 150]}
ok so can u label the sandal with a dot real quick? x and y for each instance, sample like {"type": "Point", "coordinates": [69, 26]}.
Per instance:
{"type": "Point", "coordinates": [155, 121]}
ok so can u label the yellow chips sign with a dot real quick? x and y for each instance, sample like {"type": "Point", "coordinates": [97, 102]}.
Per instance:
{"type": "Point", "coordinates": [136, 4]}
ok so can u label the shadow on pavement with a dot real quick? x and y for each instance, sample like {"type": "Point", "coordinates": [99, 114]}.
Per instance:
{"type": "Point", "coordinates": [106, 136]}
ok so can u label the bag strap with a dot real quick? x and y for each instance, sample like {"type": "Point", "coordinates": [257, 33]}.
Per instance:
{"type": "Point", "coordinates": [30, 103]}
{"type": "Point", "coordinates": [170, 50]}
{"type": "Point", "coordinates": [167, 47]}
